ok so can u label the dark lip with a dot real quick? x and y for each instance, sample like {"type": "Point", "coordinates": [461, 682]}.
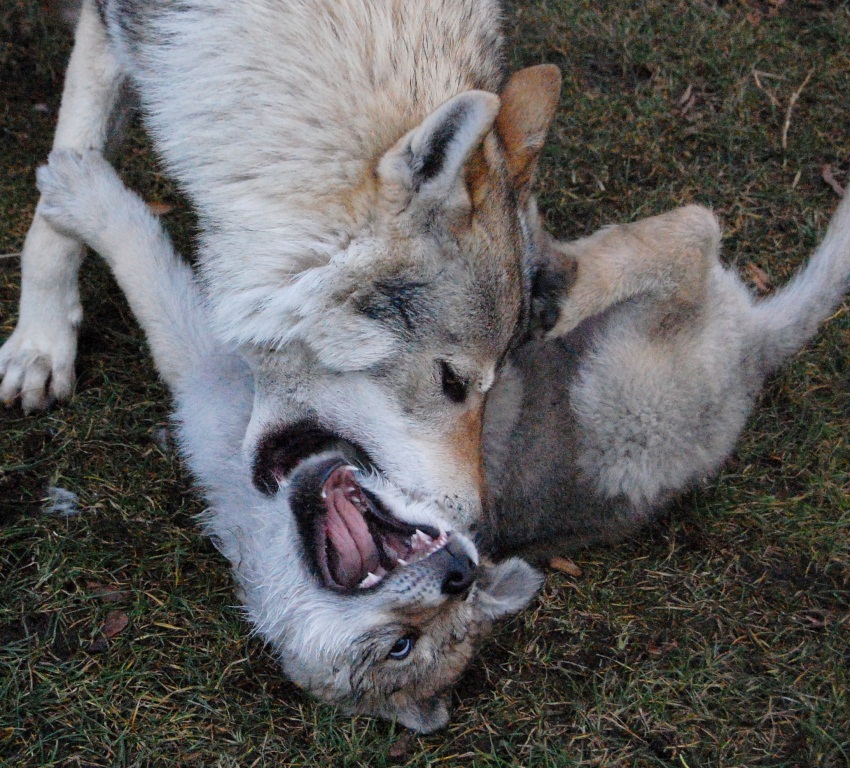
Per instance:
{"type": "Point", "coordinates": [281, 450]}
{"type": "Point", "coordinates": [308, 508]}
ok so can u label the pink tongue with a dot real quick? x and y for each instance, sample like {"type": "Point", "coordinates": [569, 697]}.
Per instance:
{"type": "Point", "coordinates": [351, 550]}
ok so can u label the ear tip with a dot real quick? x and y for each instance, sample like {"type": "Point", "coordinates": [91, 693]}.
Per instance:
{"type": "Point", "coordinates": [485, 100]}
{"type": "Point", "coordinates": [541, 77]}
{"type": "Point", "coordinates": [549, 71]}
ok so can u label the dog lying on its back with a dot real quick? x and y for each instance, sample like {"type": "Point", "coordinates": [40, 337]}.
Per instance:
{"type": "Point", "coordinates": [391, 646]}
{"type": "Point", "coordinates": [653, 356]}
{"type": "Point", "coordinates": [362, 173]}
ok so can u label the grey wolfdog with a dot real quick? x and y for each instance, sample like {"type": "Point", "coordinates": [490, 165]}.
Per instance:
{"type": "Point", "coordinates": [362, 174]}
{"type": "Point", "coordinates": [651, 358]}
{"type": "Point", "coordinates": [361, 170]}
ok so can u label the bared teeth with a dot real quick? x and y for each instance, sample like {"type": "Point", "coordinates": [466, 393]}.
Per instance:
{"type": "Point", "coordinates": [370, 581]}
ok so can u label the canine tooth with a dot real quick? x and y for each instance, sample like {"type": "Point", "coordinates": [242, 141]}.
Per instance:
{"type": "Point", "coordinates": [370, 581]}
{"type": "Point", "coordinates": [324, 493]}
{"type": "Point", "coordinates": [399, 561]}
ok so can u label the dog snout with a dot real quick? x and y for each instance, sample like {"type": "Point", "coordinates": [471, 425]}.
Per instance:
{"type": "Point", "coordinates": [461, 570]}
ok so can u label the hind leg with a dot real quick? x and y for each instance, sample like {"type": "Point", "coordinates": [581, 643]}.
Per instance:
{"type": "Point", "coordinates": [665, 259]}
{"type": "Point", "coordinates": [37, 360]}
{"type": "Point", "coordinates": [82, 195]}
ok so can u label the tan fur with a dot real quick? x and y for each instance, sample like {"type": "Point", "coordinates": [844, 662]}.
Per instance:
{"type": "Point", "coordinates": [666, 257]}
{"type": "Point", "coordinates": [529, 100]}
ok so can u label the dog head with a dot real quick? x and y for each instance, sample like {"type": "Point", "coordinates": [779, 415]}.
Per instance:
{"type": "Point", "coordinates": [370, 601]}
{"type": "Point", "coordinates": [396, 339]}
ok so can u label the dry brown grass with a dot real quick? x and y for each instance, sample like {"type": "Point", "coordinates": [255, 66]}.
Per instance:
{"type": "Point", "coordinates": [718, 638]}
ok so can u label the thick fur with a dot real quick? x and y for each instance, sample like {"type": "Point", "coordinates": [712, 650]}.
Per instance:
{"type": "Point", "coordinates": [361, 172]}
{"type": "Point", "coordinates": [654, 359]}
{"type": "Point", "coordinates": [335, 645]}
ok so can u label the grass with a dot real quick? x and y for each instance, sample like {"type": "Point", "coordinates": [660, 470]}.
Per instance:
{"type": "Point", "coordinates": [719, 637]}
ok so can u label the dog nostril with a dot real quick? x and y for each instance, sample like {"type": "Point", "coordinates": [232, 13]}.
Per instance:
{"type": "Point", "coordinates": [461, 572]}
{"type": "Point", "coordinates": [457, 582]}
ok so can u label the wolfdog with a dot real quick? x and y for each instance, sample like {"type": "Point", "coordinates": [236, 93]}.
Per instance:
{"type": "Point", "coordinates": [393, 644]}
{"type": "Point", "coordinates": [361, 171]}
{"type": "Point", "coordinates": [653, 358]}
{"type": "Point", "coordinates": [362, 174]}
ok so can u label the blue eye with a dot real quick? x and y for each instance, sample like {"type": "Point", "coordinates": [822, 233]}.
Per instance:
{"type": "Point", "coordinates": [401, 648]}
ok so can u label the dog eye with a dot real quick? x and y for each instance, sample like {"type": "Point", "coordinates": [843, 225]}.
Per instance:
{"type": "Point", "coordinates": [401, 648]}
{"type": "Point", "coordinates": [454, 387]}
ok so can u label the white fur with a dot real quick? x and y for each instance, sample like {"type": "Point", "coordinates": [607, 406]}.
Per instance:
{"type": "Point", "coordinates": [37, 360]}
{"type": "Point", "coordinates": [277, 169]}
{"type": "Point", "coordinates": [334, 646]}
{"type": "Point", "coordinates": [300, 131]}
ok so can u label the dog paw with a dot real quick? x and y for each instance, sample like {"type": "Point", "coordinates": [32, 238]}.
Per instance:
{"type": "Point", "coordinates": [76, 192]}
{"type": "Point", "coordinates": [37, 364]}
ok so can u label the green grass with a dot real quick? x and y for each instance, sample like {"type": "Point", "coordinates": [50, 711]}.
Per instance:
{"type": "Point", "coordinates": [719, 637]}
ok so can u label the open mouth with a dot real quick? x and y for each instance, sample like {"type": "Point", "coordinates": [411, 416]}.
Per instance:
{"type": "Point", "coordinates": [351, 539]}
{"type": "Point", "coordinates": [360, 542]}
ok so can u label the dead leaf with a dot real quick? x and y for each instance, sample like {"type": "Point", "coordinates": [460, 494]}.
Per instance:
{"type": "Point", "coordinates": [565, 565]}
{"type": "Point", "coordinates": [98, 645]}
{"type": "Point", "coordinates": [759, 278]}
{"type": "Point", "coordinates": [829, 177]}
{"type": "Point", "coordinates": [160, 209]}
{"type": "Point", "coordinates": [402, 746]}
{"type": "Point", "coordinates": [107, 594]}
{"type": "Point", "coordinates": [659, 650]}
{"type": "Point", "coordinates": [115, 622]}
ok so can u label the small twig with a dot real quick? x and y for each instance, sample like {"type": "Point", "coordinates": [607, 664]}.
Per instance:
{"type": "Point", "coordinates": [829, 177]}
{"type": "Point", "coordinates": [792, 101]}
{"type": "Point", "coordinates": [773, 99]}
{"type": "Point", "coordinates": [9, 255]}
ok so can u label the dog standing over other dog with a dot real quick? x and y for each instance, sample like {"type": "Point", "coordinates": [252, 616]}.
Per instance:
{"type": "Point", "coordinates": [655, 356]}
{"type": "Point", "coordinates": [362, 173]}
{"type": "Point", "coordinates": [391, 647]}
{"type": "Point", "coordinates": [364, 201]}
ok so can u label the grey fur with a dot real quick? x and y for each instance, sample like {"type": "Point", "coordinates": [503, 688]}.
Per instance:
{"type": "Point", "coordinates": [335, 645]}
{"type": "Point", "coordinates": [644, 385]}
{"type": "Point", "coordinates": [644, 396]}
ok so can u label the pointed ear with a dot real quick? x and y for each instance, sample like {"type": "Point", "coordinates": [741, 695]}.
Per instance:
{"type": "Point", "coordinates": [427, 164]}
{"type": "Point", "coordinates": [424, 716]}
{"type": "Point", "coordinates": [529, 101]}
{"type": "Point", "coordinates": [508, 587]}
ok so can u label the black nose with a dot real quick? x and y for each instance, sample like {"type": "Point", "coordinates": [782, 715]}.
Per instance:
{"type": "Point", "coordinates": [460, 570]}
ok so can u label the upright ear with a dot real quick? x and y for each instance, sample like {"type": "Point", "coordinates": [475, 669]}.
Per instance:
{"type": "Point", "coordinates": [424, 716]}
{"type": "Point", "coordinates": [427, 164]}
{"type": "Point", "coordinates": [529, 100]}
{"type": "Point", "coordinates": [508, 587]}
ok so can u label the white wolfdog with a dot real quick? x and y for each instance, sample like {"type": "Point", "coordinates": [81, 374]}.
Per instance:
{"type": "Point", "coordinates": [363, 196]}
{"type": "Point", "coordinates": [655, 356]}
{"type": "Point", "coordinates": [362, 172]}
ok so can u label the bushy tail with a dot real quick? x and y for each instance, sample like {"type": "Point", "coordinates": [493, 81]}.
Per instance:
{"type": "Point", "coordinates": [785, 321]}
